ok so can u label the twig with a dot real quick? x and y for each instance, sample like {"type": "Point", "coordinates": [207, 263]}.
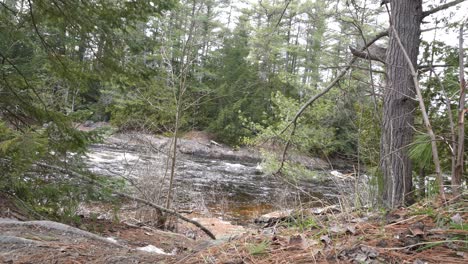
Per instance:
{"type": "Point", "coordinates": [317, 96]}
{"type": "Point", "coordinates": [407, 220]}
{"type": "Point", "coordinates": [421, 244]}
{"type": "Point", "coordinates": [282, 14]}
{"type": "Point", "coordinates": [441, 7]}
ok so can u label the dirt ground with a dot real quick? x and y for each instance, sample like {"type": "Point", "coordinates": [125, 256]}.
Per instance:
{"type": "Point", "coordinates": [423, 233]}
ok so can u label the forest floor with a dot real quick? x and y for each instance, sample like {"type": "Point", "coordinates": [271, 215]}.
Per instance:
{"type": "Point", "coordinates": [423, 233]}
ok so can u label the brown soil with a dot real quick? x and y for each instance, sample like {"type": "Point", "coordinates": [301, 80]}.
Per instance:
{"type": "Point", "coordinates": [420, 234]}
{"type": "Point", "coordinates": [423, 233]}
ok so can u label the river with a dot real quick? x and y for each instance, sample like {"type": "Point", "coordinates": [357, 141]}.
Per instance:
{"type": "Point", "coordinates": [227, 186]}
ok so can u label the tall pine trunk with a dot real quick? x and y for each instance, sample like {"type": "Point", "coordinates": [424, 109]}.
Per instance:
{"type": "Point", "coordinates": [399, 103]}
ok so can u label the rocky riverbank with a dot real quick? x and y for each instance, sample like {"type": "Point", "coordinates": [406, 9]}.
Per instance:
{"type": "Point", "coordinates": [429, 232]}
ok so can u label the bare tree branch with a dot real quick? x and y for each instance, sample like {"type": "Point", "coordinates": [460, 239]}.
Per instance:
{"type": "Point", "coordinates": [374, 52]}
{"type": "Point", "coordinates": [309, 102]}
{"type": "Point", "coordinates": [282, 14]}
{"type": "Point", "coordinates": [424, 68]}
{"type": "Point", "coordinates": [441, 7]}
{"type": "Point", "coordinates": [163, 209]}
{"type": "Point", "coordinates": [9, 9]}
{"type": "Point", "coordinates": [334, 82]}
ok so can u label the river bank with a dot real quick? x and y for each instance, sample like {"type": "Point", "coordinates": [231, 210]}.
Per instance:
{"type": "Point", "coordinates": [428, 232]}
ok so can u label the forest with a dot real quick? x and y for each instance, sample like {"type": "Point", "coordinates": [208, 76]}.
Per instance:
{"type": "Point", "coordinates": [185, 112]}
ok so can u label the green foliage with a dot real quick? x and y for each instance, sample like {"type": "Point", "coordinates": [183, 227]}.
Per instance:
{"type": "Point", "coordinates": [66, 62]}
{"type": "Point", "coordinates": [425, 210]}
{"type": "Point", "coordinates": [56, 57]}
{"type": "Point", "coordinates": [20, 150]}
{"type": "Point", "coordinates": [420, 151]}
{"type": "Point", "coordinates": [314, 134]}
{"type": "Point", "coordinates": [304, 223]}
{"type": "Point", "coordinates": [137, 110]}
{"type": "Point", "coordinates": [258, 249]}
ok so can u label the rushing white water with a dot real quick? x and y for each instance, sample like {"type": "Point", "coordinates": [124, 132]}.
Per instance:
{"type": "Point", "coordinates": [234, 189]}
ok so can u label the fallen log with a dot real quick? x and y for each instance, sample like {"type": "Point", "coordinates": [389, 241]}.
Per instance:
{"type": "Point", "coordinates": [162, 209]}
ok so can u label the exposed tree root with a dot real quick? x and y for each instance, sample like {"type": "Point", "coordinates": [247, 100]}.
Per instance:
{"type": "Point", "coordinates": [53, 226]}
{"type": "Point", "coordinates": [17, 240]}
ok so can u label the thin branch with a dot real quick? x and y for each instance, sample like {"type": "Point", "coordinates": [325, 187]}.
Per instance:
{"type": "Point", "coordinates": [453, 143]}
{"type": "Point", "coordinates": [282, 14]}
{"type": "Point", "coordinates": [441, 7]}
{"type": "Point", "coordinates": [43, 41]}
{"type": "Point", "coordinates": [309, 102]}
{"type": "Point", "coordinates": [9, 9]}
{"type": "Point", "coordinates": [163, 209]}
{"type": "Point", "coordinates": [423, 68]}
{"type": "Point", "coordinates": [25, 80]}
{"type": "Point", "coordinates": [334, 82]}
{"type": "Point", "coordinates": [424, 243]}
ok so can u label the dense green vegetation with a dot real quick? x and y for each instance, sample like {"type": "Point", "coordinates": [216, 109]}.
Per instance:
{"type": "Point", "coordinates": [240, 71]}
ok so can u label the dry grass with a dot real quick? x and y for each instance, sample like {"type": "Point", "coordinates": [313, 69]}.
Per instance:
{"type": "Point", "coordinates": [414, 235]}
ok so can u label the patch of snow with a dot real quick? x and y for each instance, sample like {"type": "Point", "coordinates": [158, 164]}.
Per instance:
{"type": "Point", "coordinates": [111, 239]}
{"type": "Point", "coordinates": [153, 249]}
{"type": "Point", "coordinates": [336, 173]}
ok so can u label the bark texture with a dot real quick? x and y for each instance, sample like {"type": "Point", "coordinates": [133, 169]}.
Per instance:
{"type": "Point", "coordinates": [399, 103]}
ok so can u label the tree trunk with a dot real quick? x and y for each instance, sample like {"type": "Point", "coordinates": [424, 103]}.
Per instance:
{"type": "Point", "coordinates": [458, 174]}
{"type": "Point", "coordinates": [422, 182]}
{"type": "Point", "coordinates": [399, 104]}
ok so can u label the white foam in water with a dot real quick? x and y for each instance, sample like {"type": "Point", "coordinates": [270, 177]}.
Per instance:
{"type": "Point", "coordinates": [112, 156]}
{"type": "Point", "coordinates": [234, 165]}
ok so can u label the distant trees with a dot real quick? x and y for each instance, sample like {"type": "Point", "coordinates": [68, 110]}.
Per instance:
{"type": "Point", "coordinates": [240, 71]}
{"type": "Point", "coordinates": [55, 56]}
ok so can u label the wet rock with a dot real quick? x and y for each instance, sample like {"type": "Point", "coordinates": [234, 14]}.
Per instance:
{"type": "Point", "coordinates": [217, 151]}
{"type": "Point", "coordinates": [273, 218]}
{"type": "Point", "coordinates": [310, 163]}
